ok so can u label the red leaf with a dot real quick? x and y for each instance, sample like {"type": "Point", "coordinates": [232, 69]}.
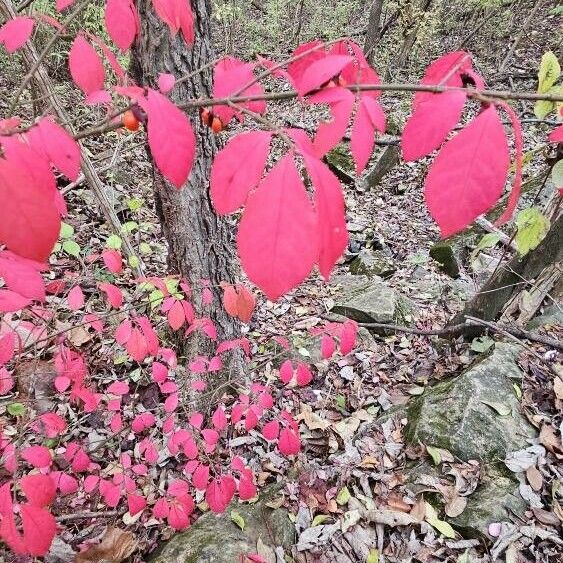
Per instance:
{"type": "Point", "coordinates": [39, 528]}
{"type": "Point", "coordinates": [200, 478]}
{"type": "Point", "coordinates": [122, 22]}
{"type": "Point", "coordinates": [331, 220]}
{"type": "Point", "coordinates": [175, 315]}
{"type": "Point", "coordinates": [219, 419]}
{"type": "Point", "coordinates": [39, 489]}
{"type": "Point", "coordinates": [57, 145]}
{"type": "Point", "coordinates": [321, 71]}
{"type": "Point", "coordinates": [219, 493]}
{"type": "Point", "coordinates": [230, 297]}
{"type": "Point", "coordinates": [369, 119]}
{"type": "Point", "coordinates": [29, 221]}
{"type": "Point", "coordinates": [231, 182]}
{"type": "Point", "coordinates": [120, 388]}
{"type": "Point", "coordinates": [6, 381]}
{"type": "Point", "coordinates": [468, 175]}
{"type": "Point", "coordinates": [7, 347]}
{"type": "Point", "coordinates": [329, 134]}
{"type": "Point", "coordinates": [431, 122]}
{"type": "Point", "coordinates": [276, 239]}
{"type": "Point", "coordinates": [113, 294]}
{"type": "Point", "coordinates": [161, 508]}
{"type": "Point", "coordinates": [51, 424]}
{"type": "Point", "coordinates": [112, 260]}
{"type": "Point", "coordinates": [305, 55]}
{"type": "Point", "coordinates": [62, 4]}
{"type": "Point", "coordinates": [289, 443]}
{"type": "Point", "coordinates": [9, 533]}
{"type": "Point", "coordinates": [75, 298]}
{"type": "Point", "coordinates": [110, 493]}
{"type": "Point", "coordinates": [14, 33]}
{"type": "Point", "coordinates": [178, 517]}
{"type": "Point", "coordinates": [177, 14]}
{"type": "Point", "coordinates": [171, 138]}
{"type": "Point", "coordinates": [166, 82]}
{"type": "Point", "coordinates": [327, 347]}
{"type": "Point", "coordinates": [11, 301]}
{"type": "Point", "coordinates": [271, 430]}
{"type": "Point", "coordinates": [246, 487]}
{"type": "Point", "coordinates": [38, 456]}
{"type": "Point", "coordinates": [245, 303]}
{"type": "Point", "coordinates": [22, 276]}
{"type": "Point", "coordinates": [86, 67]}
{"type": "Point", "coordinates": [517, 183]}
{"type": "Point", "coordinates": [348, 335]}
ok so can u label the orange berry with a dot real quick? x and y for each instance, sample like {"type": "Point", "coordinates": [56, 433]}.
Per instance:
{"type": "Point", "coordinates": [216, 125]}
{"type": "Point", "coordinates": [130, 121]}
{"type": "Point", "coordinates": [205, 117]}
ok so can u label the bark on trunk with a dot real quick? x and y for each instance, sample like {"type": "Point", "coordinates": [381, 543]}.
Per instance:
{"type": "Point", "coordinates": [200, 243]}
{"type": "Point", "coordinates": [373, 31]}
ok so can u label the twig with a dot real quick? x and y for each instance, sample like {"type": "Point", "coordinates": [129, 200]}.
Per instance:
{"type": "Point", "coordinates": [88, 514]}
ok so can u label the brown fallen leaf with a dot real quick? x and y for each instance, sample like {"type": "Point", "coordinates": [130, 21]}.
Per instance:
{"type": "Point", "coordinates": [116, 545]}
{"type": "Point", "coordinates": [535, 478]}
{"type": "Point", "coordinates": [558, 387]}
{"type": "Point", "coordinates": [549, 439]}
{"type": "Point", "coordinates": [545, 517]}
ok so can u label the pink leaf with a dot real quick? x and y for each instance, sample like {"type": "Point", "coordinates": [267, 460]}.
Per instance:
{"type": "Point", "coordinates": [39, 489]}
{"type": "Point", "coordinates": [135, 503]}
{"type": "Point", "coordinates": [329, 201]}
{"type": "Point", "coordinates": [166, 82]}
{"type": "Point", "coordinates": [304, 55]}
{"type": "Point", "coordinates": [62, 4]}
{"type": "Point", "coordinates": [246, 487]}
{"type": "Point", "coordinates": [286, 372]}
{"type": "Point", "coordinates": [271, 430]}
{"type": "Point", "coordinates": [119, 388]}
{"type": "Point", "coordinates": [431, 122]}
{"type": "Point", "coordinates": [6, 381]}
{"type": "Point", "coordinates": [216, 496]}
{"type": "Point", "coordinates": [321, 71]}
{"type": "Point", "coordinates": [50, 139]}
{"type": "Point", "coordinates": [171, 403]}
{"type": "Point", "coordinates": [14, 33]}
{"type": "Point", "coordinates": [176, 316]}
{"type": "Point", "coordinates": [518, 149]}
{"type": "Point", "coordinates": [303, 375]}
{"type": "Point", "coordinates": [177, 14]}
{"type": "Point", "coordinates": [276, 239]}
{"type": "Point", "coordinates": [7, 347]}
{"type": "Point", "coordinates": [113, 294]}
{"type": "Point", "coordinates": [75, 298]}
{"type": "Point", "coordinates": [29, 220]}
{"type": "Point", "coordinates": [468, 175]}
{"type": "Point", "coordinates": [51, 424]}
{"type": "Point", "coordinates": [86, 67]}
{"type": "Point", "coordinates": [219, 419]}
{"type": "Point", "coordinates": [329, 134]}
{"type": "Point", "coordinates": [11, 302]}
{"type": "Point", "coordinates": [289, 443]}
{"type": "Point", "coordinates": [110, 493]}
{"type": "Point", "coordinates": [122, 22]}
{"type": "Point", "coordinates": [177, 517]}
{"type": "Point", "coordinates": [327, 347]}
{"type": "Point", "coordinates": [22, 276]}
{"type": "Point", "coordinates": [231, 182]}
{"type": "Point", "coordinates": [556, 136]}
{"type": "Point", "coordinates": [112, 260]}
{"type": "Point", "coordinates": [369, 119]}
{"type": "Point", "coordinates": [38, 456]}
{"type": "Point", "coordinates": [39, 528]}
{"type": "Point", "coordinates": [161, 508]}
{"type": "Point", "coordinates": [210, 436]}
{"type": "Point", "coordinates": [348, 335]}
{"type": "Point", "coordinates": [171, 138]}
{"type": "Point", "coordinates": [200, 477]}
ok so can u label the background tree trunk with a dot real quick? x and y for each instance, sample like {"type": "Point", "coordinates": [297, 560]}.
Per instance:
{"type": "Point", "coordinates": [200, 243]}
{"type": "Point", "coordinates": [373, 31]}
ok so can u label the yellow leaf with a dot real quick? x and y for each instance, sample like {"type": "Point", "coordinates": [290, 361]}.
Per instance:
{"type": "Point", "coordinates": [548, 73]}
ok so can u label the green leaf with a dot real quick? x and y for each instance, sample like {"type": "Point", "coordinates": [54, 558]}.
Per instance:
{"type": "Point", "coordinates": [133, 261]}
{"type": "Point", "coordinates": [464, 557]}
{"type": "Point", "coordinates": [532, 228]}
{"type": "Point", "coordinates": [548, 73]}
{"type": "Point", "coordinates": [135, 203]}
{"type": "Point", "coordinates": [155, 298]}
{"type": "Point", "coordinates": [145, 248]}
{"type": "Point", "coordinates": [304, 352]}
{"type": "Point", "coordinates": [517, 391]}
{"type": "Point", "coordinates": [172, 285]}
{"type": "Point", "coordinates": [130, 227]}
{"type": "Point", "coordinates": [542, 108]}
{"type": "Point", "coordinates": [71, 247]}
{"type": "Point", "coordinates": [500, 408]}
{"type": "Point", "coordinates": [320, 519]}
{"type": "Point", "coordinates": [443, 527]}
{"type": "Point", "coordinates": [113, 241]}
{"type": "Point", "coordinates": [435, 454]}
{"type": "Point", "coordinates": [373, 556]}
{"type": "Point", "coordinates": [343, 496]}
{"type": "Point", "coordinates": [67, 231]}
{"type": "Point", "coordinates": [238, 519]}
{"type": "Point", "coordinates": [488, 241]}
{"type": "Point", "coordinates": [482, 344]}
{"type": "Point", "coordinates": [16, 409]}
{"type": "Point", "coordinates": [557, 174]}
{"type": "Point", "coordinates": [340, 401]}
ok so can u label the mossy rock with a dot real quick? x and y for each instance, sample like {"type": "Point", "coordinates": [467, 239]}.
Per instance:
{"type": "Point", "coordinates": [444, 254]}
{"type": "Point", "coordinates": [373, 263]}
{"type": "Point", "coordinates": [475, 415]}
{"type": "Point", "coordinates": [217, 539]}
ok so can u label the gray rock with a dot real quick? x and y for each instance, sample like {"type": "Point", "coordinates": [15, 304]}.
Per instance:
{"type": "Point", "coordinates": [373, 263]}
{"type": "Point", "coordinates": [444, 254]}
{"type": "Point", "coordinates": [552, 315]}
{"type": "Point", "coordinates": [217, 539]}
{"type": "Point", "coordinates": [369, 300]}
{"type": "Point", "coordinates": [475, 415]}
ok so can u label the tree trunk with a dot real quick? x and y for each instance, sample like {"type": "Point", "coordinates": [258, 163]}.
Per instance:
{"type": "Point", "coordinates": [199, 243]}
{"type": "Point", "coordinates": [373, 31]}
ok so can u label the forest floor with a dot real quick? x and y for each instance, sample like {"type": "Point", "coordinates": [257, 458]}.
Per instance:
{"type": "Point", "coordinates": [342, 445]}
